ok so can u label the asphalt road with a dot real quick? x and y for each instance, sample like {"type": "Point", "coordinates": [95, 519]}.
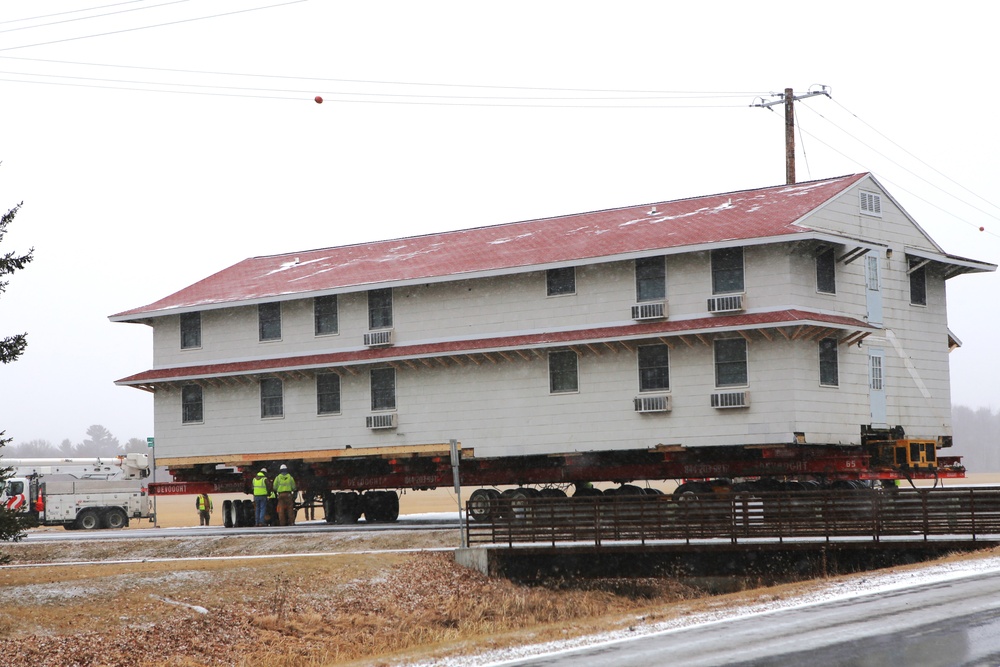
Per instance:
{"type": "Point", "coordinates": [404, 523]}
{"type": "Point", "coordinates": [948, 624]}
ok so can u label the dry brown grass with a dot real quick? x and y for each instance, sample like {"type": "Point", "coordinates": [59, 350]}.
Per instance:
{"type": "Point", "coordinates": [350, 608]}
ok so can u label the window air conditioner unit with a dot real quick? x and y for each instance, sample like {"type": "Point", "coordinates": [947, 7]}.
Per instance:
{"type": "Point", "coordinates": [730, 303]}
{"type": "Point", "coordinates": [377, 422]}
{"type": "Point", "coordinates": [378, 338]}
{"type": "Point", "coordinates": [654, 310]}
{"type": "Point", "coordinates": [731, 399]}
{"type": "Point", "coordinates": [652, 403]}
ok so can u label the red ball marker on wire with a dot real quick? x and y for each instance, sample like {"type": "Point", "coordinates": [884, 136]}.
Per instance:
{"type": "Point", "coordinates": [319, 100]}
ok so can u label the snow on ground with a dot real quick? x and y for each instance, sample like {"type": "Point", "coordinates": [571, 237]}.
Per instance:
{"type": "Point", "coordinates": [865, 584]}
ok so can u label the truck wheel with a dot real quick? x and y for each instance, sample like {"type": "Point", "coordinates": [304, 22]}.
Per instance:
{"type": "Point", "coordinates": [227, 513]}
{"type": "Point", "coordinates": [115, 518]}
{"type": "Point", "coordinates": [88, 519]}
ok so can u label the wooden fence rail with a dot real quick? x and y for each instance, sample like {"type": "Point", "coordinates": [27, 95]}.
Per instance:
{"type": "Point", "coordinates": [874, 514]}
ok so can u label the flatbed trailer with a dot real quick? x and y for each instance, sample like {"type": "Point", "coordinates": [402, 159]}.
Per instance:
{"type": "Point", "coordinates": [345, 482]}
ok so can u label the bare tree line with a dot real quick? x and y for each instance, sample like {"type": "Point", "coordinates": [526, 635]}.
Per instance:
{"type": "Point", "coordinates": [99, 442]}
{"type": "Point", "coordinates": [977, 438]}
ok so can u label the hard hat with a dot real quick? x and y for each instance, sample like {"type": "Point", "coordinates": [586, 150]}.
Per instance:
{"type": "Point", "coordinates": [263, 470]}
{"type": "Point", "coordinates": [283, 467]}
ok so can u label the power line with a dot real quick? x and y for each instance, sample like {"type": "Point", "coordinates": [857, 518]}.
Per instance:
{"type": "Point", "coordinates": [327, 92]}
{"type": "Point", "coordinates": [94, 16]}
{"type": "Point", "coordinates": [903, 189]}
{"type": "Point", "coordinates": [915, 157]}
{"type": "Point", "coordinates": [73, 11]}
{"type": "Point", "coordinates": [910, 171]}
{"type": "Point", "coordinates": [157, 25]}
{"type": "Point", "coordinates": [679, 93]}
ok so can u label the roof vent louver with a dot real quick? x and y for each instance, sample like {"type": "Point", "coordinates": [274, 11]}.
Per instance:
{"type": "Point", "coordinates": [871, 204]}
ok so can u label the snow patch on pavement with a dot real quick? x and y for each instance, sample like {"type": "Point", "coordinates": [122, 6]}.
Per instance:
{"type": "Point", "coordinates": [867, 584]}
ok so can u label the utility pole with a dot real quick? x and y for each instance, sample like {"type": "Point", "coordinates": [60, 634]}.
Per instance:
{"type": "Point", "coordinates": [788, 99]}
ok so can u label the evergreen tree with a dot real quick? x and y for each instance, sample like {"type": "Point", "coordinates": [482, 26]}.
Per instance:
{"type": "Point", "coordinates": [12, 524]}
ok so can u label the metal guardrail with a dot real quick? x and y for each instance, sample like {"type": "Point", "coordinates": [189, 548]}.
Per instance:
{"type": "Point", "coordinates": [875, 514]}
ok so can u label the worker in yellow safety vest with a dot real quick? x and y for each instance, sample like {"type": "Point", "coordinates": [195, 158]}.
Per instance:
{"type": "Point", "coordinates": [204, 506]}
{"type": "Point", "coordinates": [260, 492]}
{"type": "Point", "coordinates": [284, 486]}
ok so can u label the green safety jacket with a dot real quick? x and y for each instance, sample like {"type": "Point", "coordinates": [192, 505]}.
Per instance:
{"type": "Point", "coordinates": [284, 483]}
{"type": "Point", "coordinates": [260, 485]}
{"type": "Point", "coordinates": [201, 505]}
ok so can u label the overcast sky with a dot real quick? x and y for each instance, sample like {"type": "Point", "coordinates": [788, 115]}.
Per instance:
{"type": "Point", "coordinates": [154, 143]}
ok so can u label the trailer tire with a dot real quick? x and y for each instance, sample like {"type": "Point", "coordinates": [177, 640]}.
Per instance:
{"type": "Point", "coordinates": [347, 507]}
{"type": "Point", "coordinates": [330, 507]}
{"type": "Point", "coordinates": [115, 519]}
{"type": "Point", "coordinates": [227, 508]}
{"type": "Point", "coordinates": [88, 519]}
{"type": "Point", "coordinates": [481, 508]}
{"type": "Point", "coordinates": [234, 514]}
{"type": "Point", "coordinates": [248, 513]}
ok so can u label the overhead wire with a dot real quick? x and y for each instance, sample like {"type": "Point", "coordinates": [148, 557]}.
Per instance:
{"type": "Point", "coordinates": [93, 16]}
{"type": "Point", "coordinates": [156, 25]}
{"type": "Point", "coordinates": [900, 187]}
{"type": "Point", "coordinates": [72, 11]}
{"type": "Point", "coordinates": [910, 171]}
{"type": "Point", "coordinates": [939, 173]}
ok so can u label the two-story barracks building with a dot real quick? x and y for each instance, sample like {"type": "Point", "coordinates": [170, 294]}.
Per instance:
{"type": "Point", "coordinates": [798, 314]}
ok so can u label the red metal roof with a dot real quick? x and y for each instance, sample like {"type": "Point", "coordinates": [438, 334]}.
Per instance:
{"type": "Point", "coordinates": [744, 215]}
{"type": "Point", "coordinates": [501, 343]}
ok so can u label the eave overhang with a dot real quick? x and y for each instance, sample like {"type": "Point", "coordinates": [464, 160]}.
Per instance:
{"type": "Point", "coordinates": [952, 265]}
{"type": "Point", "coordinates": [788, 324]}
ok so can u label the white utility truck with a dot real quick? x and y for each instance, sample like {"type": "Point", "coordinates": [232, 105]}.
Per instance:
{"type": "Point", "coordinates": [101, 492]}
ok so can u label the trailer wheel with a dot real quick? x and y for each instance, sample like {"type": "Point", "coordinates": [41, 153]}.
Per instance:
{"type": "Point", "coordinates": [227, 509]}
{"type": "Point", "coordinates": [347, 507]}
{"type": "Point", "coordinates": [480, 508]}
{"type": "Point", "coordinates": [115, 518]}
{"type": "Point", "coordinates": [391, 506]}
{"type": "Point", "coordinates": [249, 514]}
{"type": "Point", "coordinates": [330, 507]}
{"type": "Point", "coordinates": [234, 513]}
{"type": "Point", "coordinates": [88, 519]}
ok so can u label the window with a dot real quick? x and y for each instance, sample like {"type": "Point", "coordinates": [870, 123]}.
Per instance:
{"type": "Point", "coordinates": [563, 375]}
{"type": "Point", "coordinates": [190, 330]}
{"type": "Point", "coordinates": [269, 321]}
{"type": "Point", "coordinates": [918, 282]}
{"type": "Point", "coordinates": [192, 404]}
{"type": "Point", "coordinates": [828, 375]}
{"type": "Point", "coordinates": [826, 272]}
{"type": "Point", "coordinates": [727, 270]}
{"type": "Point", "coordinates": [327, 393]}
{"type": "Point", "coordinates": [383, 388]}
{"type": "Point", "coordinates": [872, 281]}
{"type": "Point", "coordinates": [730, 362]}
{"type": "Point", "coordinates": [650, 279]}
{"type": "Point", "coordinates": [380, 308]}
{"type": "Point", "coordinates": [325, 314]}
{"type": "Point", "coordinates": [560, 281]}
{"type": "Point", "coordinates": [654, 368]}
{"type": "Point", "coordinates": [271, 400]}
